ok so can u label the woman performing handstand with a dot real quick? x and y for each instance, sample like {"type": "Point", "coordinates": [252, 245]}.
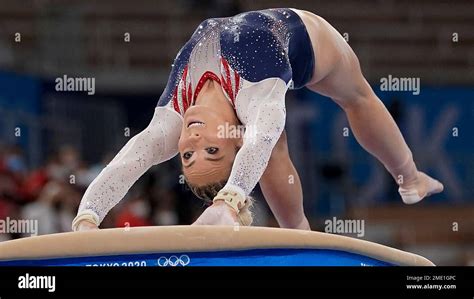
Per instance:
{"type": "Point", "coordinates": [235, 72]}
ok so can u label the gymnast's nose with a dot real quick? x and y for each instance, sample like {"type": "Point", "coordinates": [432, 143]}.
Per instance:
{"type": "Point", "coordinates": [194, 136]}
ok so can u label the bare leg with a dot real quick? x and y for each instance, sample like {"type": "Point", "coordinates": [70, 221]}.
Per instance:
{"type": "Point", "coordinates": [281, 187]}
{"type": "Point", "coordinates": [338, 76]}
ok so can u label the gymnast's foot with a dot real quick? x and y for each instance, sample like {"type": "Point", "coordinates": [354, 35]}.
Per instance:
{"type": "Point", "coordinates": [424, 185]}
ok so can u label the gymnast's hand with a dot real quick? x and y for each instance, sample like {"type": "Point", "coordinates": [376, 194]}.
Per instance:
{"type": "Point", "coordinates": [218, 214]}
{"type": "Point", "coordinates": [86, 225]}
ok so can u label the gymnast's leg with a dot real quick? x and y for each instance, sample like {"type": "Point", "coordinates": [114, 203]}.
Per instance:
{"type": "Point", "coordinates": [338, 76]}
{"type": "Point", "coordinates": [282, 189]}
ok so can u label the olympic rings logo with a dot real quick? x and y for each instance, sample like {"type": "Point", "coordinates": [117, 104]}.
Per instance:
{"type": "Point", "coordinates": [174, 261]}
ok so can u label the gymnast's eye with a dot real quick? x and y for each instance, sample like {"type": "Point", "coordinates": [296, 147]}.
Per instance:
{"type": "Point", "coordinates": [212, 150]}
{"type": "Point", "coordinates": [187, 155]}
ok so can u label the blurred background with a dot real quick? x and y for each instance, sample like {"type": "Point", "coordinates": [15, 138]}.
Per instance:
{"type": "Point", "coordinates": [53, 144]}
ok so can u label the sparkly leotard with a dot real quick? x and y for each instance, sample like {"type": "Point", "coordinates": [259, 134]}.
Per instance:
{"type": "Point", "coordinates": [255, 57]}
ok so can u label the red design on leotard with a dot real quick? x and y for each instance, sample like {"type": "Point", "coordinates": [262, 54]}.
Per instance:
{"type": "Point", "coordinates": [237, 83]}
{"type": "Point", "coordinates": [184, 90]}
{"type": "Point", "coordinates": [184, 96]}
{"type": "Point", "coordinates": [175, 100]}
{"type": "Point", "coordinates": [207, 75]}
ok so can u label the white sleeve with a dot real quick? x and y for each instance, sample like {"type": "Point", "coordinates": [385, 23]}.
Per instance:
{"type": "Point", "coordinates": [265, 121]}
{"type": "Point", "coordinates": [156, 144]}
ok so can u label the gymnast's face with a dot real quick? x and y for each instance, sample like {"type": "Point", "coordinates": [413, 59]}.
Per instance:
{"type": "Point", "coordinates": [207, 152]}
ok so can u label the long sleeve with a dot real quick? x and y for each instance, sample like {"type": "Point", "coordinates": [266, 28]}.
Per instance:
{"type": "Point", "coordinates": [264, 118]}
{"type": "Point", "coordinates": [156, 144]}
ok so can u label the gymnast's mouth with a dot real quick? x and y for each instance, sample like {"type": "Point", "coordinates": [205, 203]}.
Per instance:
{"type": "Point", "coordinates": [195, 123]}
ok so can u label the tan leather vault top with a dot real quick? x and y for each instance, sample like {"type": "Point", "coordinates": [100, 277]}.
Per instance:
{"type": "Point", "coordinates": [193, 239]}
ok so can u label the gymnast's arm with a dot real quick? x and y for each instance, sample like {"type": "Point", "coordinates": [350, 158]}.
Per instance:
{"type": "Point", "coordinates": [156, 144]}
{"type": "Point", "coordinates": [265, 123]}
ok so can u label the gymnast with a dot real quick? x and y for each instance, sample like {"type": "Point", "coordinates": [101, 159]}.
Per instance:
{"type": "Point", "coordinates": [234, 73]}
